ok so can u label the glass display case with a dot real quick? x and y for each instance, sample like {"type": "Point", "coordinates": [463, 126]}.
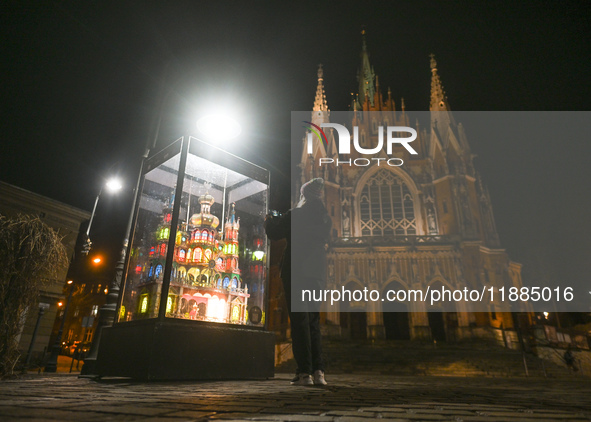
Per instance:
{"type": "Point", "coordinates": [217, 269]}
{"type": "Point", "coordinates": [197, 258]}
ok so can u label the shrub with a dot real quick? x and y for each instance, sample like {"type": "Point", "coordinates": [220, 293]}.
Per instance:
{"type": "Point", "coordinates": [31, 255]}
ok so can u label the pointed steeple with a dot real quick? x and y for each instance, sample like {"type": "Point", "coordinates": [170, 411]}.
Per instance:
{"type": "Point", "coordinates": [320, 99]}
{"type": "Point", "coordinates": [320, 111]}
{"type": "Point", "coordinates": [366, 75]}
{"type": "Point", "coordinates": [438, 97]}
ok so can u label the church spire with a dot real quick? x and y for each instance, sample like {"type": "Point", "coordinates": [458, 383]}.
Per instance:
{"type": "Point", "coordinates": [366, 75]}
{"type": "Point", "coordinates": [320, 100]}
{"type": "Point", "coordinates": [438, 97]}
{"type": "Point", "coordinates": [320, 111]}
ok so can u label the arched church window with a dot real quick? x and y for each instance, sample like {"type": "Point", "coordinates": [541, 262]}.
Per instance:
{"type": "Point", "coordinates": [158, 270]}
{"type": "Point", "coordinates": [226, 282]}
{"type": "Point", "coordinates": [207, 255]}
{"type": "Point", "coordinates": [163, 249]}
{"type": "Point", "coordinates": [204, 235]}
{"type": "Point", "coordinates": [386, 206]}
{"type": "Point", "coordinates": [182, 254]}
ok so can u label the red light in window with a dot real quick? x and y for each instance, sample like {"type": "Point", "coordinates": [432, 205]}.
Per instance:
{"type": "Point", "coordinates": [138, 269]}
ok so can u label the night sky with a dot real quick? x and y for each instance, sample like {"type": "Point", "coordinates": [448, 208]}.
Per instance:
{"type": "Point", "coordinates": [81, 82]}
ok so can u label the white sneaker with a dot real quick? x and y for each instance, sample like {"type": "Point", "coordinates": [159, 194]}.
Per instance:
{"type": "Point", "coordinates": [319, 378]}
{"type": "Point", "coordinates": [303, 379]}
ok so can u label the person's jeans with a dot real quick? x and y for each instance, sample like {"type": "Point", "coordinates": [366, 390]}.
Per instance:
{"type": "Point", "coordinates": [305, 336]}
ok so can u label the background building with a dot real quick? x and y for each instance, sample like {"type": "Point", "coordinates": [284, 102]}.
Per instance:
{"type": "Point", "coordinates": [427, 223]}
{"type": "Point", "coordinates": [66, 221]}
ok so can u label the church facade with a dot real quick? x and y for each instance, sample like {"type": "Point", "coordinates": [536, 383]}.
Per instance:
{"type": "Point", "coordinates": [426, 224]}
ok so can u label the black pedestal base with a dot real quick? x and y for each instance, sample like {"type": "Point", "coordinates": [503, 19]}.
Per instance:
{"type": "Point", "coordinates": [185, 350]}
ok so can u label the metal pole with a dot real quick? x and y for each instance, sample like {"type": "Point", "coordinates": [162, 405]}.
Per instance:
{"type": "Point", "coordinates": [93, 211]}
{"type": "Point", "coordinates": [42, 308]}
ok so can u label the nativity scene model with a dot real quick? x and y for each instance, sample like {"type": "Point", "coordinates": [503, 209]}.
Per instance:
{"type": "Point", "coordinates": [195, 282]}
{"type": "Point", "coordinates": [206, 282]}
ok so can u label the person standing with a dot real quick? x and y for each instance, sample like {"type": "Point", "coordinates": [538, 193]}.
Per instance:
{"type": "Point", "coordinates": [307, 230]}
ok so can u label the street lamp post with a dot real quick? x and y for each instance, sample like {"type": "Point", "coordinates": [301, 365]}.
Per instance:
{"type": "Point", "coordinates": [112, 185]}
{"type": "Point", "coordinates": [107, 312]}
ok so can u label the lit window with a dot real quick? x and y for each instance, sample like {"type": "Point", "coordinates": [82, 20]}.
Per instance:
{"type": "Point", "coordinates": [182, 254]}
{"type": "Point", "coordinates": [163, 249]}
{"type": "Point", "coordinates": [158, 270]}
{"type": "Point", "coordinates": [207, 255]}
{"type": "Point", "coordinates": [387, 206]}
{"type": "Point", "coordinates": [204, 236]}
{"type": "Point", "coordinates": [226, 282]}
{"type": "Point", "coordinates": [94, 311]}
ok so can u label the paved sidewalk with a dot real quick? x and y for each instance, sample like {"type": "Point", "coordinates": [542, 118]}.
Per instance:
{"type": "Point", "coordinates": [355, 398]}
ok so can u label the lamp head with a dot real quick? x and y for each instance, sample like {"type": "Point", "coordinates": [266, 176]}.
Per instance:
{"type": "Point", "coordinates": [219, 126]}
{"type": "Point", "coordinates": [113, 185]}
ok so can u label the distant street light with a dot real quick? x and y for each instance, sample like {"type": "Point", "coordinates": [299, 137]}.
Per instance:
{"type": "Point", "coordinates": [113, 185]}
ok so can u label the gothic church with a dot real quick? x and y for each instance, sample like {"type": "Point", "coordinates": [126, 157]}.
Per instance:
{"type": "Point", "coordinates": [426, 223]}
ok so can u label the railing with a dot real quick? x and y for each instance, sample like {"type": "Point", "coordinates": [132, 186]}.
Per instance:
{"type": "Point", "coordinates": [368, 241]}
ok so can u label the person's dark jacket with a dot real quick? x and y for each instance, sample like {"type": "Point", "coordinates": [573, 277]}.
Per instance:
{"type": "Point", "coordinates": [307, 230]}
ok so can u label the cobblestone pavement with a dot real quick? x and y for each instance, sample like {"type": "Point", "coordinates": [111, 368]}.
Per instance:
{"type": "Point", "coordinates": [355, 398]}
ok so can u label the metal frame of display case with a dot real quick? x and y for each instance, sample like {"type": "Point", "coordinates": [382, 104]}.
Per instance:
{"type": "Point", "coordinates": [165, 348]}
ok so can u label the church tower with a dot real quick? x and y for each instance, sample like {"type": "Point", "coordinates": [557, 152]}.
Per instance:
{"type": "Point", "coordinates": [426, 224]}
